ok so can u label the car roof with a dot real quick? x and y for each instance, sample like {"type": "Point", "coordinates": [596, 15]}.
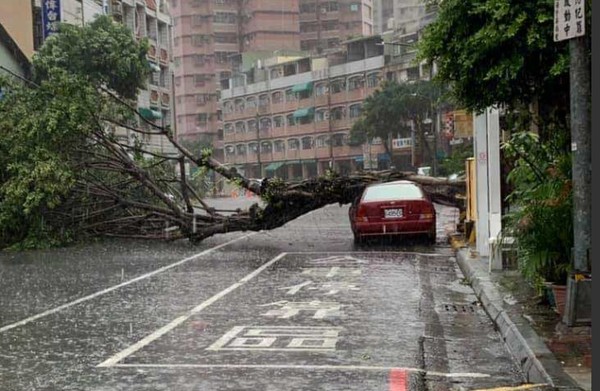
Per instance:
{"type": "Point", "coordinates": [399, 182]}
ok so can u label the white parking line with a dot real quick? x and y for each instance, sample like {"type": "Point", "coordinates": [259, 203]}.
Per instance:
{"type": "Point", "coordinates": [112, 288]}
{"type": "Point", "coordinates": [165, 329]}
{"type": "Point", "coordinates": [306, 367]}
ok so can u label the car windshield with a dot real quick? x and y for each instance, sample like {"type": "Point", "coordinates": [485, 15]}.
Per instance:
{"type": "Point", "coordinates": [404, 191]}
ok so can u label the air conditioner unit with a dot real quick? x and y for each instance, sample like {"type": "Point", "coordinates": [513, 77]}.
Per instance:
{"type": "Point", "coordinates": [323, 10]}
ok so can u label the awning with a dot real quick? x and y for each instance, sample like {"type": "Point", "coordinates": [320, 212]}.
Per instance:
{"type": "Point", "coordinates": [383, 157]}
{"type": "Point", "coordinates": [301, 113]}
{"type": "Point", "coordinates": [274, 166]}
{"type": "Point", "coordinates": [309, 161]}
{"type": "Point", "coordinates": [292, 162]}
{"type": "Point", "coordinates": [359, 159]}
{"type": "Point", "coordinates": [302, 87]}
{"type": "Point", "coordinates": [149, 113]}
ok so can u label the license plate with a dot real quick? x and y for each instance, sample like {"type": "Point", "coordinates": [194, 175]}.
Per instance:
{"type": "Point", "coordinates": [392, 213]}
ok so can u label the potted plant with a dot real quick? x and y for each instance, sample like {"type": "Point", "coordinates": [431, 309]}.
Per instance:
{"type": "Point", "coordinates": [541, 216]}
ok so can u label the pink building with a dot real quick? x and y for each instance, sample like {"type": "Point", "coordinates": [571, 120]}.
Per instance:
{"type": "Point", "coordinates": [207, 33]}
{"type": "Point", "coordinates": [324, 24]}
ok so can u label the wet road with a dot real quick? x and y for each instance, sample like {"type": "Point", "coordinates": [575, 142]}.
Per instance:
{"type": "Point", "coordinates": [297, 308]}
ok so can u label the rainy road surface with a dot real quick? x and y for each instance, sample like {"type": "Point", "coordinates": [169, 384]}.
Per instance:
{"type": "Point", "coordinates": [297, 308]}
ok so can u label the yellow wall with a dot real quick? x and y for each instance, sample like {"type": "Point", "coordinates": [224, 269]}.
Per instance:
{"type": "Point", "coordinates": [17, 18]}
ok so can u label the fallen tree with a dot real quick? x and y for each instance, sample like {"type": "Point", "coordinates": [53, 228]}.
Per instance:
{"type": "Point", "coordinates": [66, 172]}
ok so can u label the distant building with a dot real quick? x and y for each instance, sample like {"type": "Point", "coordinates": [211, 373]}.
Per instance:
{"type": "Point", "coordinates": [207, 34]}
{"type": "Point", "coordinates": [12, 59]}
{"type": "Point", "coordinates": [294, 119]}
{"type": "Point", "coordinates": [325, 24]}
{"type": "Point", "coordinates": [402, 17]}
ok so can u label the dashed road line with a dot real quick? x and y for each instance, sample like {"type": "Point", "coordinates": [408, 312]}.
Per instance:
{"type": "Point", "coordinates": [165, 329]}
{"type": "Point", "coordinates": [121, 285]}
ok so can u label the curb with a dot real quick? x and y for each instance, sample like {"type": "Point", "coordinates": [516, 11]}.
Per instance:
{"type": "Point", "coordinates": [536, 361]}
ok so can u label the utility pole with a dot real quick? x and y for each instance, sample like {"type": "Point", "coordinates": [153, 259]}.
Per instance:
{"type": "Point", "coordinates": [570, 24]}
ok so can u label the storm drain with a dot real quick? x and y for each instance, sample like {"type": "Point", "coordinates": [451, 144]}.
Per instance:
{"type": "Point", "coordinates": [459, 308]}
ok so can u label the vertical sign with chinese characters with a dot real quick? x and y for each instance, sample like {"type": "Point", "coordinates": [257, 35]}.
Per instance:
{"type": "Point", "coordinates": [569, 19]}
{"type": "Point", "coordinates": [51, 16]}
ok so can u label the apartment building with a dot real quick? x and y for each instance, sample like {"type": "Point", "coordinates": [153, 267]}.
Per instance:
{"type": "Point", "coordinates": [325, 24]}
{"type": "Point", "coordinates": [294, 121]}
{"type": "Point", "coordinates": [402, 17]}
{"type": "Point", "coordinates": [207, 34]}
{"type": "Point", "coordinates": [16, 17]}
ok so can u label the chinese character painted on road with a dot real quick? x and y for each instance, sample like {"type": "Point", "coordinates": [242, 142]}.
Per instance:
{"type": "Point", "coordinates": [329, 288]}
{"type": "Point", "coordinates": [279, 338]}
{"type": "Point", "coordinates": [287, 309]}
{"type": "Point", "coordinates": [330, 272]}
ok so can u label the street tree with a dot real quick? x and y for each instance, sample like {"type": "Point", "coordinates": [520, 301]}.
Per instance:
{"type": "Point", "coordinates": [397, 109]}
{"type": "Point", "coordinates": [66, 172]}
{"type": "Point", "coordinates": [501, 53]}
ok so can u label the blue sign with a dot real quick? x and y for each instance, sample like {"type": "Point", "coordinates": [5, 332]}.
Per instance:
{"type": "Point", "coordinates": [51, 16]}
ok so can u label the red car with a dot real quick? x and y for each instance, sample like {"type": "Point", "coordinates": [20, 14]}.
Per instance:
{"type": "Point", "coordinates": [393, 208]}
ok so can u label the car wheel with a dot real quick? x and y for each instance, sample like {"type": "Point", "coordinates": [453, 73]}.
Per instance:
{"type": "Point", "coordinates": [431, 236]}
{"type": "Point", "coordinates": [358, 240]}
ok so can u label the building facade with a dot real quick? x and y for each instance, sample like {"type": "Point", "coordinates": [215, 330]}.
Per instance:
{"type": "Point", "coordinates": [207, 34]}
{"type": "Point", "coordinates": [326, 24]}
{"type": "Point", "coordinates": [295, 123]}
{"type": "Point", "coordinates": [16, 17]}
{"type": "Point", "coordinates": [402, 17]}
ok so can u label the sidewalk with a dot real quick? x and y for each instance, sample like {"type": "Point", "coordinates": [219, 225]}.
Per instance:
{"type": "Point", "coordinates": [549, 352]}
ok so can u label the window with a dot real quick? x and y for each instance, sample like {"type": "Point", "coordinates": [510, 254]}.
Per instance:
{"type": "Point", "coordinates": [338, 140]}
{"type": "Point", "coordinates": [333, 42]}
{"type": "Point", "coordinates": [263, 100]}
{"type": "Point", "coordinates": [251, 102]}
{"type": "Point", "coordinates": [240, 106]}
{"type": "Point", "coordinates": [307, 143]}
{"type": "Point", "coordinates": [265, 124]}
{"type": "Point", "coordinates": [202, 119]}
{"type": "Point", "coordinates": [278, 121]}
{"type": "Point", "coordinates": [355, 83]}
{"type": "Point", "coordinates": [241, 149]}
{"type": "Point", "coordinates": [293, 144]}
{"type": "Point", "coordinates": [201, 99]}
{"type": "Point", "coordinates": [277, 97]}
{"type": "Point", "coordinates": [266, 147]}
{"type": "Point", "coordinates": [178, 81]}
{"type": "Point", "coordinates": [412, 73]}
{"type": "Point", "coordinates": [279, 146]}
{"type": "Point", "coordinates": [372, 80]}
{"type": "Point", "coordinates": [197, 20]}
{"type": "Point", "coordinates": [225, 38]}
{"type": "Point", "coordinates": [228, 128]}
{"type": "Point", "coordinates": [290, 96]}
{"type": "Point", "coordinates": [393, 192]}
{"type": "Point", "coordinates": [322, 115]}
{"type": "Point", "coordinates": [355, 110]}
{"type": "Point", "coordinates": [290, 120]}
{"type": "Point", "coordinates": [305, 94]}
{"type": "Point", "coordinates": [225, 18]}
{"type": "Point", "coordinates": [228, 107]}
{"type": "Point", "coordinates": [222, 57]}
{"type": "Point", "coordinates": [253, 148]}
{"type": "Point", "coordinates": [229, 150]}
{"type": "Point", "coordinates": [240, 127]}
{"type": "Point", "coordinates": [354, 7]}
{"type": "Point", "coordinates": [252, 125]}
{"type": "Point", "coordinates": [337, 113]}
{"type": "Point", "coordinates": [199, 80]}
{"type": "Point", "coordinates": [338, 86]}
{"type": "Point", "coordinates": [321, 141]}
{"type": "Point", "coordinates": [321, 89]}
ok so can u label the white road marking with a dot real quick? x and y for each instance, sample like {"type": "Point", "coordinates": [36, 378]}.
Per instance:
{"type": "Point", "coordinates": [306, 367]}
{"type": "Point", "coordinates": [115, 287]}
{"type": "Point", "coordinates": [374, 253]}
{"type": "Point", "coordinates": [165, 329]}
